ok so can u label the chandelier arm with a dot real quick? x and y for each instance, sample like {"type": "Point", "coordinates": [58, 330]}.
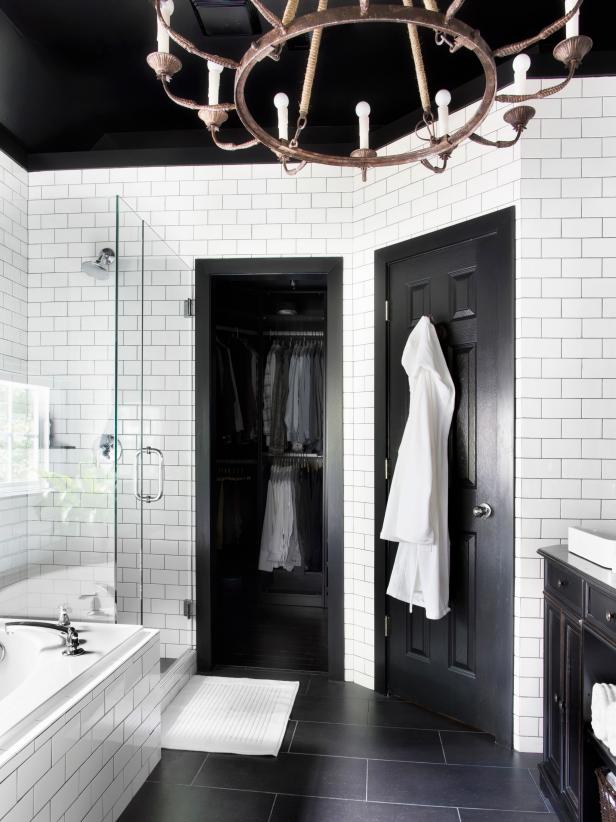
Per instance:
{"type": "Point", "coordinates": [292, 171]}
{"type": "Point", "coordinates": [453, 9]}
{"type": "Point", "coordinates": [548, 31]}
{"type": "Point", "coordinates": [431, 5]}
{"type": "Point", "coordinates": [192, 104]}
{"type": "Point", "coordinates": [437, 169]}
{"type": "Point", "coordinates": [232, 146]}
{"type": "Point", "coordinates": [420, 70]}
{"type": "Point", "coordinates": [311, 65]}
{"type": "Point", "coordinates": [477, 138]}
{"type": "Point", "coordinates": [541, 94]}
{"type": "Point", "coordinates": [274, 21]}
{"type": "Point", "coordinates": [186, 44]}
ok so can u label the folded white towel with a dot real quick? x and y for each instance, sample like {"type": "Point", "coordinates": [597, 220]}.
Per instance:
{"type": "Point", "coordinates": [601, 698]}
{"type": "Point", "coordinates": [610, 721]}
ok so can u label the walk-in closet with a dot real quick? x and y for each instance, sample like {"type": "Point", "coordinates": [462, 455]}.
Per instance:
{"type": "Point", "coordinates": [267, 449]}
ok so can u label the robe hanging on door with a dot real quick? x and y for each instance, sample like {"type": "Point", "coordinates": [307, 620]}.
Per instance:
{"type": "Point", "coordinates": [416, 514]}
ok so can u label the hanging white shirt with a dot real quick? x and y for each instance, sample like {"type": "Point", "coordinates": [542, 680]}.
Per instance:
{"type": "Point", "coordinates": [417, 507]}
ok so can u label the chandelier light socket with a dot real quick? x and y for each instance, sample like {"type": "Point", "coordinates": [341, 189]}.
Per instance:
{"type": "Point", "coordinates": [213, 118]}
{"type": "Point", "coordinates": [573, 50]}
{"type": "Point", "coordinates": [519, 117]}
{"type": "Point", "coordinates": [165, 65]}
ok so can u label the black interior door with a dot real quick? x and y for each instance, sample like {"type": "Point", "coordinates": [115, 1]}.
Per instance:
{"type": "Point", "coordinates": [462, 665]}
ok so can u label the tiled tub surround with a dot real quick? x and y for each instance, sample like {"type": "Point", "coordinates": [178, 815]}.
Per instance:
{"type": "Point", "coordinates": [95, 743]}
{"type": "Point", "coordinates": [562, 180]}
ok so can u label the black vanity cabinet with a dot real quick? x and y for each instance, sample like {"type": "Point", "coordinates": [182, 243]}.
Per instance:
{"type": "Point", "coordinates": [579, 650]}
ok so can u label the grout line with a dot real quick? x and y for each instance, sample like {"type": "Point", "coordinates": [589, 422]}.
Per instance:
{"type": "Point", "coordinates": [541, 794]}
{"type": "Point", "coordinates": [442, 747]}
{"type": "Point", "coordinates": [391, 727]}
{"type": "Point", "coordinates": [200, 769]}
{"type": "Point", "coordinates": [271, 813]}
{"type": "Point", "coordinates": [538, 814]}
{"type": "Point", "coordinates": [292, 735]}
{"type": "Point", "coordinates": [404, 761]}
{"type": "Point", "coordinates": [459, 815]}
{"type": "Point", "coordinates": [367, 765]}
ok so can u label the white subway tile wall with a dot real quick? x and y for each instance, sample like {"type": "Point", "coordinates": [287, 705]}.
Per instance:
{"type": "Point", "coordinates": [13, 357]}
{"type": "Point", "coordinates": [89, 763]}
{"type": "Point", "coordinates": [565, 323]}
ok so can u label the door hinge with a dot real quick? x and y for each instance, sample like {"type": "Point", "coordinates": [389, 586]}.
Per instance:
{"type": "Point", "coordinates": [386, 468]}
{"type": "Point", "coordinates": [189, 608]}
{"type": "Point", "coordinates": [189, 307]}
{"type": "Point", "coordinates": [387, 626]}
{"type": "Point", "coordinates": [386, 311]}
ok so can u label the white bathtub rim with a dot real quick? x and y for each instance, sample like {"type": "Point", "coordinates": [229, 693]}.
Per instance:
{"type": "Point", "coordinates": [18, 738]}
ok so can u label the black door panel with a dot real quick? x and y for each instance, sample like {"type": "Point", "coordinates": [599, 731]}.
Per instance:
{"type": "Point", "coordinates": [461, 665]}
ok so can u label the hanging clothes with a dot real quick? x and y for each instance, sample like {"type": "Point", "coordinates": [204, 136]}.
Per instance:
{"type": "Point", "coordinates": [292, 534]}
{"type": "Point", "coordinates": [237, 367]}
{"type": "Point", "coordinates": [416, 514]}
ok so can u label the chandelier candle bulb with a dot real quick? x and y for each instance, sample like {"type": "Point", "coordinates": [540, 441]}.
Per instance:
{"type": "Point", "coordinates": [214, 70]}
{"type": "Point", "coordinates": [521, 64]}
{"type": "Point", "coordinates": [281, 101]}
{"type": "Point", "coordinates": [162, 35]}
{"type": "Point", "coordinates": [363, 113]}
{"type": "Point", "coordinates": [442, 100]}
{"type": "Point", "coordinates": [573, 26]}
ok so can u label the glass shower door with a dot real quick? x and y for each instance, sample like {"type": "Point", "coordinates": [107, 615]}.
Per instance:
{"type": "Point", "coordinates": [155, 431]}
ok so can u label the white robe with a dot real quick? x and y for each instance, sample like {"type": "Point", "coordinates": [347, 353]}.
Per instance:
{"type": "Point", "coordinates": [416, 514]}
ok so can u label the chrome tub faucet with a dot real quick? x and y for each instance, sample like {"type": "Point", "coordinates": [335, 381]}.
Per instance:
{"type": "Point", "coordinates": [71, 645]}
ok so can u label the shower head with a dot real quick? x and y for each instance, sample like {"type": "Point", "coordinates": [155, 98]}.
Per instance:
{"type": "Point", "coordinates": [100, 266]}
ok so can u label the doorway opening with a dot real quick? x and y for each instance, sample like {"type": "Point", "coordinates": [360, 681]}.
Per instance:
{"type": "Point", "coordinates": [269, 464]}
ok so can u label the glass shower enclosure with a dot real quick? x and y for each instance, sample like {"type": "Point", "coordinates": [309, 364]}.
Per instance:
{"type": "Point", "coordinates": [97, 441]}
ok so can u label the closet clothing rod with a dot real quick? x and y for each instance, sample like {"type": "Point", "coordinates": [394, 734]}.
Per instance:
{"type": "Point", "coordinates": [294, 455]}
{"type": "Point", "coordinates": [236, 330]}
{"type": "Point", "coordinates": [293, 333]}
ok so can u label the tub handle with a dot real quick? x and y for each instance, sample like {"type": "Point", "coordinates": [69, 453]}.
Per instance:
{"type": "Point", "coordinates": [138, 476]}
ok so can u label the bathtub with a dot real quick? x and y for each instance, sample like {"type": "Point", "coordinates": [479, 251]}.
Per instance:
{"type": "Point", "coordinates": [38, 684]}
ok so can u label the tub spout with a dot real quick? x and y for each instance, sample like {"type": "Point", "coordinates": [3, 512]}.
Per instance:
{"type": "Point", "coordinates": [72, 647]}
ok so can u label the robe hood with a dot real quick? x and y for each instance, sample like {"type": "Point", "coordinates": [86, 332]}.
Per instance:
{"type": "Point", "coordinates": [423, 350]}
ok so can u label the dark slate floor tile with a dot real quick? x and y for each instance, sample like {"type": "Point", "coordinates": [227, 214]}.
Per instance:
{"type": "Point", "coordinates": [321, 686]}
{"type": "Point", "coordinates": [367, 741]}
{"type": "Point", "coordinates": [301, 809]}
{"type": "Point", "coordinates": [159, 802]}
{"type": "Point", "coordinates": [466, 786]}
{"type": "Point", "coordinates": [288, 773]}
{"type": "Point", "coordinates": [177, 767]}
{"type": "Point", "coordinates": [329, 709]}
{"type": "Point", "coordinates": [505, 816]}
{"type": "Point", "coordinates": [480, 749]}
{"type": "Point", "coordinates": [398, 713]}
{"type": "Point", "coordinates": [264, 673]}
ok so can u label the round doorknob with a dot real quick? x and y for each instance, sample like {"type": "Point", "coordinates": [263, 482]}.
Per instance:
{"type": "Point", "coordinates": [482, 511]}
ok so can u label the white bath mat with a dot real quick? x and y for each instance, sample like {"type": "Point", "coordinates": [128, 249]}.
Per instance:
{"type": "Point", "coordinates": [228, 715]}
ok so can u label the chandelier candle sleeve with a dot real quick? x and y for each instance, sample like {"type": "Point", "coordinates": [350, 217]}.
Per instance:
{"type": "Point", "coordinates": [521, 64]}
{"type": "Point", "coordinates": [214, 70]}
{"type": "Point", "coordinates": [162, 35]}
{"type": "Point", "coordinates": [573, 26]}
{"type": "Point", "coordinates": [442, 100]}
{"type": "Point", "coordinates": [281, 101]}
{"type": "Point", "coordinates": [363, 113]}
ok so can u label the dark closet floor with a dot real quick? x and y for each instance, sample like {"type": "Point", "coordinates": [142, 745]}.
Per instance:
{"type": "Point", "coordinates": [349, 755]}
{"type": "Point", "coordinates": [274, 636]}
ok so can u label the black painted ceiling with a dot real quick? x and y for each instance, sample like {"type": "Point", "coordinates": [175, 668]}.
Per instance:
{"type": "Point", "coordinates": [75, 89]}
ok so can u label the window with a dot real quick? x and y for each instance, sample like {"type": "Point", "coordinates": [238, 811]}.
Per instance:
{"type": "Point", "coordinates": [24, 437]}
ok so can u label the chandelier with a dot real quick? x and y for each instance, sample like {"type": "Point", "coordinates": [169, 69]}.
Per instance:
{"type": "Point", "coordinates": [436, 142]}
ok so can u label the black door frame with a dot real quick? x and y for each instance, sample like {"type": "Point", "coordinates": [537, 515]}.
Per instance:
{"type": "Point", "coordinates": [205, 271]}
{"type": "Point", "coordinates": [503, 222]}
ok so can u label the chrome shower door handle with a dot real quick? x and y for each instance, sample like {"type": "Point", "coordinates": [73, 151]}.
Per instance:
{"type": "Point", "coordinates": [139, 495]}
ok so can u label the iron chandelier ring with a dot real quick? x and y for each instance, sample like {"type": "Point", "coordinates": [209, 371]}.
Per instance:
{"type": "Point", "coordinates": [466, 36]}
